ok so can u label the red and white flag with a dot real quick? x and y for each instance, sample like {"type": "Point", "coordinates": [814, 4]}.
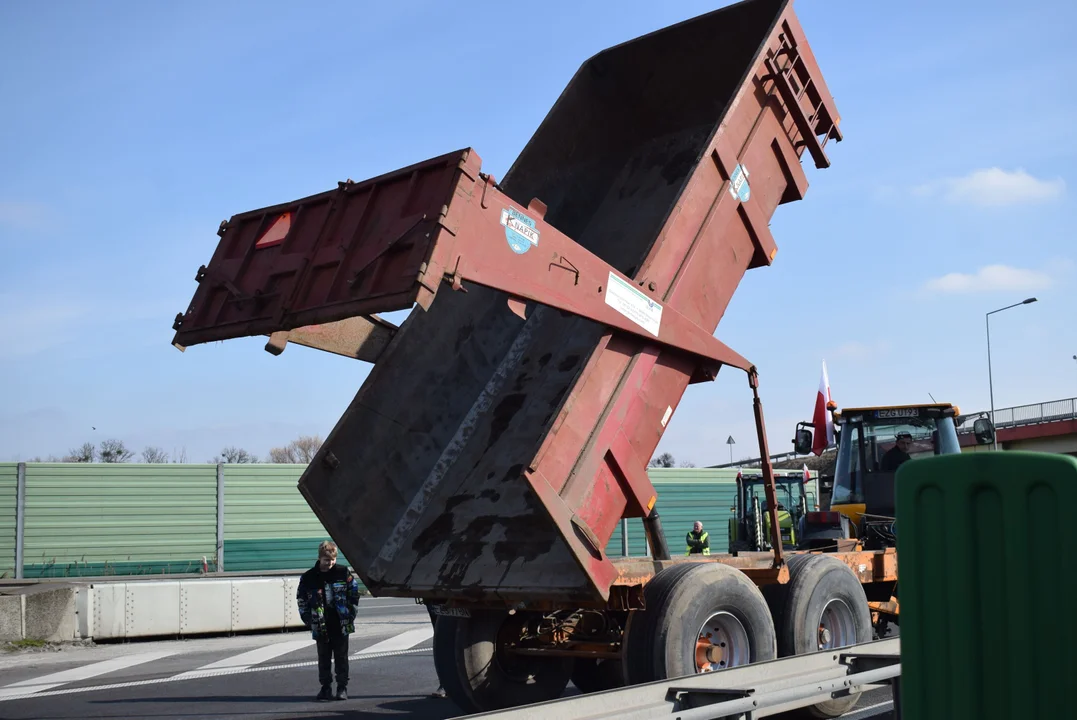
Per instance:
{"type": "Point", "coordinates": [821, 419]}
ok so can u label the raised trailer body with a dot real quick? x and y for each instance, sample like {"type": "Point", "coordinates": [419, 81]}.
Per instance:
{"type": "Point", "coordinates": [505, 427]}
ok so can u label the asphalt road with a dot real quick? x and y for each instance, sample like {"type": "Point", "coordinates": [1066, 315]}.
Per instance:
{"type": "Point", "coordinates": [253, 677]}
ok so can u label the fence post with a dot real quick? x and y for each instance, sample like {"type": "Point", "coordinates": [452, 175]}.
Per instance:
{"type": "Point", "coordinates": [624, 537]}
{"type": "Point", "coordinates": [20, 518]}
{"type": "Point", "coordinates": [220, 517]}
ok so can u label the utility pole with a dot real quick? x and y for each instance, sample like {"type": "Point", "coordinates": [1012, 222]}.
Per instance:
{"type": "Point", "coordinates": [990, 381]}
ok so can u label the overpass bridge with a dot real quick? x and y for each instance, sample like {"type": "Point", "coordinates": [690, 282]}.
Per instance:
{"type": "Point", "coordinates": [1040, 427]}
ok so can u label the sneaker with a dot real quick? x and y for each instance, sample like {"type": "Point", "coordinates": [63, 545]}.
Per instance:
{"type": "Point", "coordinates": [342, 693]}
{"type": "Point", "coordinates": [326, 694]}
{"type": "Point", "coordinates": [439, 693]}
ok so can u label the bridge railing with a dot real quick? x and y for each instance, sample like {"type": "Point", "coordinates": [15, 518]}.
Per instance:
{"type": "Point", "coordinates": [1028, 414]}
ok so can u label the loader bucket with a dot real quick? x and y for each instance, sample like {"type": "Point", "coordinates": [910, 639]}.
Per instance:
{"type": "Point", "coordinates": [493, 448]}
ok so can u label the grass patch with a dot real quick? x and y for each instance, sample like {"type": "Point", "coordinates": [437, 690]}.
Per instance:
{"type": "Point", "coordinates": [24, 645]}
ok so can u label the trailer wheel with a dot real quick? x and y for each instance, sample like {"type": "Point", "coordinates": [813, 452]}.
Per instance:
{"type": "Point", "coordinates": [825, 608]}
{"type": "Point", "coordinates": [479, 675]}
{"type": "Point", "coordinates": [591, 675]}
{"type": "Point", "coordinates": [707, 617]}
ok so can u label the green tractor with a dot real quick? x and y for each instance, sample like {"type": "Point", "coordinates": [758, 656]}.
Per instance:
{"type": "Point", "coordinates": [749, 528]}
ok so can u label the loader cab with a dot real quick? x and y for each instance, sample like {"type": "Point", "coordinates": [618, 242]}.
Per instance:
{"type": "Point", "coordinates": [872, 443]}
{"type": "Point", "coordinates": [749, 526]}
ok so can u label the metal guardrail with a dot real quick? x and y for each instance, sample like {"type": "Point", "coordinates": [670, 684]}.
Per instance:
{"type": "Point", "coordinates": [1034, 414]}
{"type": "Point", "coordinates": [759, 690]}
{"type": "Point", "coordinates": [755, 461]}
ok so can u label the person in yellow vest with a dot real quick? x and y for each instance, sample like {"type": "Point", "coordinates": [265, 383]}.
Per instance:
{"type": "Point", "coordinates": [698, 541]}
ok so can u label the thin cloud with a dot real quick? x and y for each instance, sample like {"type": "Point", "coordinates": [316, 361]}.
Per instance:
{"type": "Point", "coordinates": [859, 350]}
{"type": "Point", "coordinates": [31, 325]}
{"type": "Point", "coordinates": [23, 215]}
{"type": "Point", "coordinates": [990, 278]}
{"type": "Point", "coordinates": [994, 187]}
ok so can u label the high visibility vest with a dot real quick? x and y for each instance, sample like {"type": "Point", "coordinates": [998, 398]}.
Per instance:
{"type": "Point", "coordinates": [702, 538]}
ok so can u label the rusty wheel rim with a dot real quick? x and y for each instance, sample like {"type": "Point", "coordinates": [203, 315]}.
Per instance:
{"type": "Point", "coordinates": [722, 642]}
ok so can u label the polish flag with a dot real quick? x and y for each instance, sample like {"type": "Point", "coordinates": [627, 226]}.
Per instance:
{"type": "Point", "coordinates": [822, 418]}
{"type": "Point", "coordinates": [807, 475]}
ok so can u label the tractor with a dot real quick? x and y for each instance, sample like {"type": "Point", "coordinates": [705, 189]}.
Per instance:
{"type": "Point", "coordinates": [872, 442]}
{"type": "Point", "coordinates": [801, 525]}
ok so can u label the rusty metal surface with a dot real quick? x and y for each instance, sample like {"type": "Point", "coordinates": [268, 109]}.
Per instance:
{"type": "Point", "coordinates": [890, 607]}
{"type": "Point", "coordinates": [486, 437]}
{"type": "Point", "coordinates": [362, 338]}
{"type": "Point", "coordinates": [344, 253]}
{"type": "Point", "coordinates": [495, 444]}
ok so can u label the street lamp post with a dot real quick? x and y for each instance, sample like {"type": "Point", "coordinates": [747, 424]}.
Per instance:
{"type": "Point", "coordinates": [990, 381]}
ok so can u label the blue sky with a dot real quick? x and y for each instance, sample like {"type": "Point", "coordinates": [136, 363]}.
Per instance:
{"type": "Point", "coordinates": [130, 130]}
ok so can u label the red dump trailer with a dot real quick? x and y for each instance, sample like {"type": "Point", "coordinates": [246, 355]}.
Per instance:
{"type": "Point", "coordinates": [505, 427]}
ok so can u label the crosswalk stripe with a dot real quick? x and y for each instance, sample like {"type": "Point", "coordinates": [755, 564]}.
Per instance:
{"type": "Point", "coordinates": [47, 682]}
{"type": "Point", "coordinates": [251, 657]}
{"type": "Point", "coordinates": [403, 641]}
{"type": "Point", "coordinates": [210, 674]}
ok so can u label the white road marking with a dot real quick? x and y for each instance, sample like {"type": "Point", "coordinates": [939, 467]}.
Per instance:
{"type": "Point", "coordinates": [251, 657]}
{"type": "Point", "coordinates": [860, 712]}
{"type": "Point", "coordinates": [47, 682]}
{"type": "Point", "coordinates": [208, 674]}
{"type": "Point", "coordinates": [403, 641]}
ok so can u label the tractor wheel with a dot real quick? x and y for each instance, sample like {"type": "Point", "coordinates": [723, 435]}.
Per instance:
{"type": "Point", "coordinates": [591, 675]}
{"type": "Point", "coordinates": [703, 618]}
{"type": "Point", "coordinates": [479, 675]}
{"type": "Point", "coordinates": [823, 608]}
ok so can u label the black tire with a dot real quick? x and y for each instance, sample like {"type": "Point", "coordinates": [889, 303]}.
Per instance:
{"type": "Point", "coordinates": [448, 668]}
{"type": "Point", "coordinates": [665, 644]}
{"type": "Point", "coordinates": [590, 675]}
{"type": "Point", "coordinates": [479, 677]}
{"type": "Point", "coordinates": [638, 638]}
{"type": "Point", "coordinates": [815, 582]}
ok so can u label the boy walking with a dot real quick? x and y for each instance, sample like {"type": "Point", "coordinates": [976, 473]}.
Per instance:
{"type": "Point", "coordinates": [328, 598]}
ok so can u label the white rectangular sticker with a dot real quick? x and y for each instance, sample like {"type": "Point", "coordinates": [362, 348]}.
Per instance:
{"type": "Point", "coordinates": [665, 418]}
{"type": "Point", "coordinates": [634, 305]}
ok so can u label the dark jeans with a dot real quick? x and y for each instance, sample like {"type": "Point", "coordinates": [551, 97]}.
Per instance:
{"type": "Point", "coordinates": [333, 649]}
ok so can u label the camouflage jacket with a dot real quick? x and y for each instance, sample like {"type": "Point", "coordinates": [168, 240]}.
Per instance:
{"type": "Point", "coordinates": [336, 591]}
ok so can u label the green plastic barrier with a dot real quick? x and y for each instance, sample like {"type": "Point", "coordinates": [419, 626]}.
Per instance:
{"type": "Point", "coordinates": [985, 546]}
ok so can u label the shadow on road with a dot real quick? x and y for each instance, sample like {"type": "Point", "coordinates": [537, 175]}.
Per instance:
{"type": "Point", "coordinates": [407, 707]}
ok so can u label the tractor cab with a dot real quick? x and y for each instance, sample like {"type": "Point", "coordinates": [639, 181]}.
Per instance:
{"type": "Point", "coordinates": [872, 444]}
{"type": "Point", "coordinates": [749, 526]}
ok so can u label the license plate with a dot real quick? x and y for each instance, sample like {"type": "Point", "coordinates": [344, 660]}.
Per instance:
{"type": "Point", "coordinates": [451, 611]}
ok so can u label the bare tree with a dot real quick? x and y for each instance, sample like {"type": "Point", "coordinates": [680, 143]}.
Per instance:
{"type": "Point", "coordinates": [665, 460]}
{"type": "Point", "coordinates": [154, 455]}
{"type": "Point", "coordinates": [114, 451]}
{"type": "Point", "coordinates": [179, 457]}
{"type": "Point", "coordinates": [301, 450]}
{"type": "Point", "coordinates": [686, 464]}
{"type": "Point", "coordinates": [232, 454]}
{"type": "Point", "coordinates": [85, 454]}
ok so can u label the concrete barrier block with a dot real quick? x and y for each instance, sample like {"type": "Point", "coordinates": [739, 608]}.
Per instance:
{"type": "Point", "coordinates": [110, 610]}
{"type": "Point", "coordinates": [291, 607]}
{"type": "Point", "coordinates": [12, 613]}
{"type": "Point", "coordinates": [50, 613]}
{"type": "Point", "coordinates": [205, 606]}
{"type": "Point", "coordinates": [84, 610]}
{"type": "Point", "coordinates": [153, 608]}
{"type": "Point", "coordinates": [257, 604]}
